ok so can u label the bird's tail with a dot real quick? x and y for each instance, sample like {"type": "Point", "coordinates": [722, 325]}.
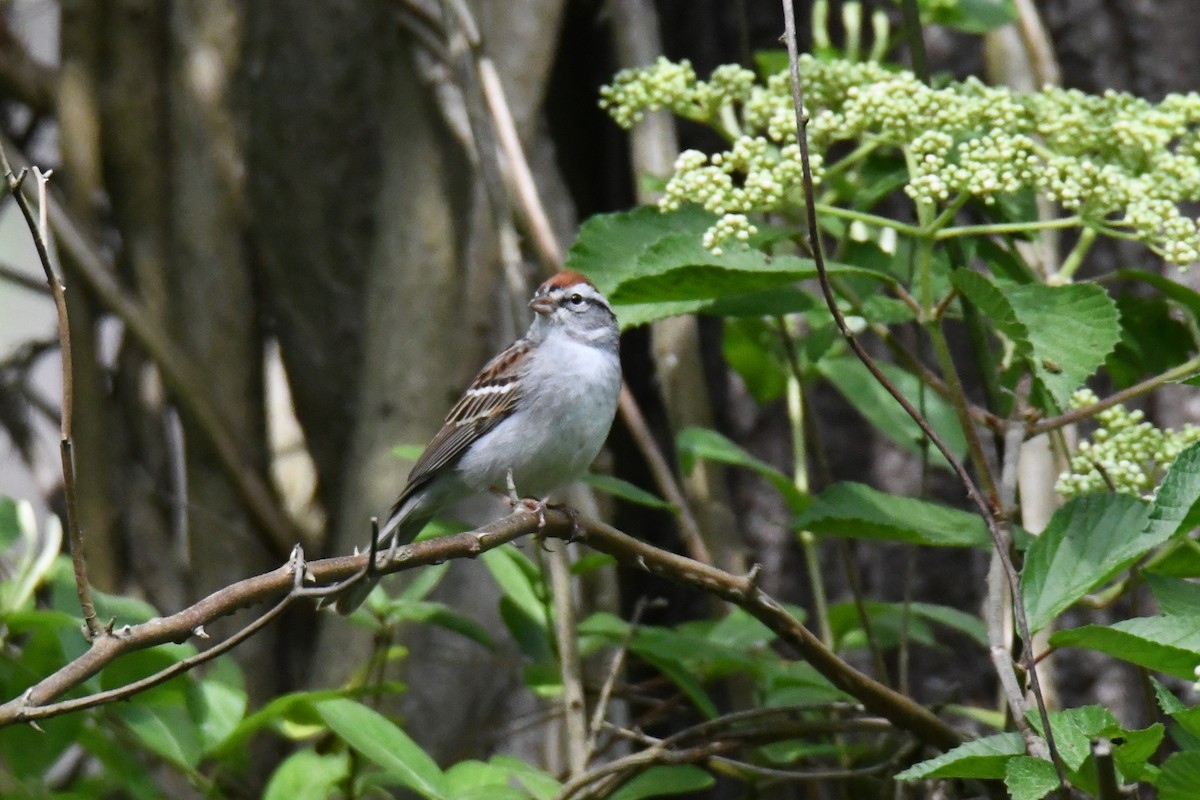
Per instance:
{"type": "Point", "coordinates": [406, 521]}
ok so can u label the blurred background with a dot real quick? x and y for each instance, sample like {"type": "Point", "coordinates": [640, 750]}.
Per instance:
{"type": "Point", "coordinates": [283, 262]}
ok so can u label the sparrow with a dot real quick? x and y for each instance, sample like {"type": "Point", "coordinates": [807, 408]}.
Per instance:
{"type": "Point", "coordinates": [531, 422]}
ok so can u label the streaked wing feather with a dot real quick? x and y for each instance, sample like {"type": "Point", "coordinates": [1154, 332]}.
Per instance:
{"type": "Point", "coordinates": [491, 397]}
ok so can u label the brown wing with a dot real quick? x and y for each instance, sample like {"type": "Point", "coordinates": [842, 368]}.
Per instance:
{"type": "Point", "coordinates": [491, 397]}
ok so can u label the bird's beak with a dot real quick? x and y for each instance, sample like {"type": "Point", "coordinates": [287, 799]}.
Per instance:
{"type": "Point", "coordinates": [542, 305]}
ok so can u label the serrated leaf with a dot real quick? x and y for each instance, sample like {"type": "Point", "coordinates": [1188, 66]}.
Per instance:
{"type": "Point", "coordinates": [1064, 333]}
{"type": "Point", "coordinates": [663, 781]}
{"type": "Point", "coordinates": [981, 758]}
{"type": "Point", "coordinates": [858, 511]}
{"type": "Point", "coordinates": [1029, 778]}
{"type": "Point", "coordinates": [1074, 729]}
{"type": "Point", "coordinates": [701, 443]}
{"type": "Point", "coordinates": [1177, 503]}
{"type": "Point", "coordinates": [1088, 540]}
{"type": "Point", "coordinates": [884, 412]}
{"type": "Point", "coordinates": [1165, 644]}
{"type": "Point", "coordinates": [990, 299]}
{"type": "Point", "coordinates": [627, 491]}
{"type": "Point", "coordinates": [381, 741]}
{"type": "Point", "coordinates": [1072, 329]}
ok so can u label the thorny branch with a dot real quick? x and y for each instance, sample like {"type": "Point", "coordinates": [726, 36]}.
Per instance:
{"type": "Point", "coordinates": [299, 578]}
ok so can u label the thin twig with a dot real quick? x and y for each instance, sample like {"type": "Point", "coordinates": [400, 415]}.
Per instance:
{"type": "Point", "coordinates": [610, 680]}
{"type": "Point", "coordinates": [38, 230]}
{"type": "Point", "coordinates": [565, 635]}
{"type": "Point", "coordinates": [999, 537]}
{"type": "Point", "coordinates": [179, 373]}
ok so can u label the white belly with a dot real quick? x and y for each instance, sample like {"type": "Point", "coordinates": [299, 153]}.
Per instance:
{"type": "Point", "coordinates": [560, 428]}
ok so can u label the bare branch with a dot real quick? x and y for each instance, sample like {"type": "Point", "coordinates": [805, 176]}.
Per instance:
{"type": "Point", "coordinates": [38, 230]}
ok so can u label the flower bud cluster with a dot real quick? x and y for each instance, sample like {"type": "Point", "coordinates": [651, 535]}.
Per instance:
{"type": "Point", "coordinates": [1118, 160]}
{"type": "Point", "coordinates": [1126, 453]}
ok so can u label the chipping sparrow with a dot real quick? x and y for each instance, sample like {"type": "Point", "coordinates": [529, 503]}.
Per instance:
{"type": "Point", "coordinates": [538, 412]}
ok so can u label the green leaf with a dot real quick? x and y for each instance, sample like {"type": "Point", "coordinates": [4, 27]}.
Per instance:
{"type": "Point", "coordinates": [681, 677]}
{"type": "Point", "coordinates": [1071, 331]}
{"type": "Point", "coordinates": [471, 779]}
{"type": "Point", "coordinates": [1177, 503]}
{"type": "Point", "coordinates": [663, 781]}
{"type": "Point", "coordinates": [165, 729]}
{"type": "Point", "coordinates": [969, 16]}
{"type": "Point", "coordinates": [753, 349]}
{"type": "Point", "coordinates": [982, 758]}
{"type": "Point", "coordinates": [538, 783]}
{"type": "Point", "coordinates": [887, 622]}
{"type": "Point", "coordinates": [653, 265]}
{"type": "Point", "coordinates": [222, 693]}
{"type": "Point", "coordinates": [306, 775]}
{"type": "Point", "coordinates": [1029, 778]}
{"type": "Point", "coordinates": [700, 443]}
{"type": "Point", "coordinates": [1165, 644]}
{"type": "Point", "coordinates": [516, 577]}
{"type": "Point", "coordinates": [1088, 540]}
{"type": "Point", "coordinates": [1064, 333]}
{"type": "Point", "coordinates": [1179, 777]}
{"type": "Point", "coordinates": [1152, 340]}
{"type": "Point", "coordinates": [1173, 595]}
{"type": "Point", "coordinates": [1187, 298]}
{"type": "Point", "coordinates": [627, 491]}
{"type": "Point", "coordinates": [444, 617]}
{"type": "Point", "coordinates": [381, 741]}
{"type": "Point", "coordinates": [1133, 754]}
{"type": "Point", "coordinates": [855, 383]}
{"type": "Point", "coordinates": [858, 511]}
{"type": "Point", "coordinates": [1074, 729]}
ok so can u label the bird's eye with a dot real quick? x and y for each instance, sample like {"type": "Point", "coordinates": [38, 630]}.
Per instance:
{"type": "Point", "coordinates": [576, 299]}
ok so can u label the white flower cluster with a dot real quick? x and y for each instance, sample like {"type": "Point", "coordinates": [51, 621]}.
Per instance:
{"type": "Point", "coordinates": [1126, 453]}
{"type": "Point", "coordinates": [1121, 162]}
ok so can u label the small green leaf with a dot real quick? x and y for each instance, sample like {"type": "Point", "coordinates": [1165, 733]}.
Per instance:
{"type": "Point", "coordinates": [969, 16]}
{"type": "Point", "coordinates": [1074, 729]}
{"type": "Point", "coordinates": [476, 779]}
{"type": "Point", "coordinates": [1179, 777]}
{"type": "Point", "coordinates": [512, 572]}
{"type": "Point", "coordinates": [663, 781]}
{"type": "Point", "coordinates": [700, 443]}
{"type": "Point", "coordinates": [444, 617]}
{"type": "Point", "coordinates": [1173, 595]}
{"type": "Point", "coordinates": [884, 412]}
{"type": "Point", "coordinates": [1088, 540]}
{"type": "Point", "coordinates": [165, 729]}
{"type": "Point", "coordinates": [1177, 503]}
{"type": "Point", "coordinates": [1029, 778]}
{"type": "Point", "coordinates": [982, 758]}
{"type": "Point", "coordinates": [858, 511]}
{"type": "Point", "coordinates": [627, 491]}
{"type": "Point", "coordinates": [381, 741]}
{"type": "Point", "coordinates": [538, 783]}
{"type": "Point", "coordinates": [1166, 644]}
{"type": "Point", "coordinates": [306, 775]}
{"type": "Point", "coordinates": [222, 693]}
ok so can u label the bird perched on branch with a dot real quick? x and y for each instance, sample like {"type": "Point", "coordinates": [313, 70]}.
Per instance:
{"type": "Point", "coordinates": [531, 422]}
